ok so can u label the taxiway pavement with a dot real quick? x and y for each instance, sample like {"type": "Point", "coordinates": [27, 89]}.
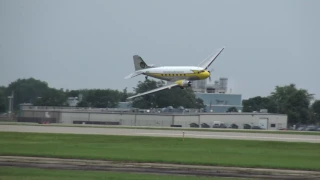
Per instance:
{"type": "Point", "coordinates": [163, 133]}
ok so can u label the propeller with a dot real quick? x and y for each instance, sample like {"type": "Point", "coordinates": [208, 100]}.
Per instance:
{"type": "Point", "coordinates": [210, 74]}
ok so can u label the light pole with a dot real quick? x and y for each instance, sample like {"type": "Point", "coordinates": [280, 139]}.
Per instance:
{"type": "Point", "coordinates": [10, 104]}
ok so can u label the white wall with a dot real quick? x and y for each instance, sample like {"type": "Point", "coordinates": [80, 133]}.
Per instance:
{"type": "Point", "coordinates": [153, 120]}
{"type": "Point", "coordinates": [68, 118]}
{"type": "Point", "coordinates": [227, 119]}
{"type": "Point", "coordinates": [241, 119]}
{"type": "Point", "coordinates": [274, 121]}
{"type": "Point", "coordinates": [185, 120]}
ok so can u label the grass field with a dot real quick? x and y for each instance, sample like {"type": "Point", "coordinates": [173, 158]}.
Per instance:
{"type": "Point", "coordinates": [172, 128]}
{"type": "Point", "coordinates": [11, 173]}
{"type": "Point", "coordinates": [159, 149]}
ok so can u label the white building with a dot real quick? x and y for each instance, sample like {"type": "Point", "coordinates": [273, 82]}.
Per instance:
{"type": "Point", "coordinates": [72, 101]}
{"type": "Point", "coordinates": [74, 115]}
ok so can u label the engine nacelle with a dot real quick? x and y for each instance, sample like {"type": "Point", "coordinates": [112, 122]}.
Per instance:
{"type": "Point", "coordinates": [184, 83]}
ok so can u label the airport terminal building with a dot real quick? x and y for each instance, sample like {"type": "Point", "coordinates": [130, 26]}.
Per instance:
{"type": "Point", "coordinates": [220, 103]}
{"type": "Point", "coordinates": [215, 96]}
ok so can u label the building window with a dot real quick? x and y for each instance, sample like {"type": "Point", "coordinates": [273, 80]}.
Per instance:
{"type": "Point", "coordinates": [273, 125]}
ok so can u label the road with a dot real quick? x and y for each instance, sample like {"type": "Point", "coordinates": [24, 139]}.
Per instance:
{"type": "Point", "coordinates": [163, 133]}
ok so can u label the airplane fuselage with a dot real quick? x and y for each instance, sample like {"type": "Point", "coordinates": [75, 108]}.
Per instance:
{"type": "Point", "coordinates": [174, 73]}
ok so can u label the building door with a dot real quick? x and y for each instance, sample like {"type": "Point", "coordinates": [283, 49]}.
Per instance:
{"type": "Point", "coordinates": [263, 123]}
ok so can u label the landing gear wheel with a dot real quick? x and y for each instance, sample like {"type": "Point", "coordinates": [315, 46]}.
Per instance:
{"type": "Point", "coordinates": [146, 77]}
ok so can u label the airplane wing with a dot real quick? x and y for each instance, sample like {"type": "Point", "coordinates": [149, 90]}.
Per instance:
{"type": "Point", "coordinates": [208, 61]}
{"type": "Point", "coordinates": [169, 86]}
{"type": "Point", "coordinates": [134, 74]}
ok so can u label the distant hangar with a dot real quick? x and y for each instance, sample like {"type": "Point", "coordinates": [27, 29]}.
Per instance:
{"type": "Point", "coordinates": [76, 115]}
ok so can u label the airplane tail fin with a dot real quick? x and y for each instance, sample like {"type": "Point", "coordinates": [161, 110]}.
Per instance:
{"type": "Point", "coordinates": [139, 63]}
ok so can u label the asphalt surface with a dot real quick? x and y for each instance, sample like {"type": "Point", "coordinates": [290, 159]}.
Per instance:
{"type": "Point", "coordinates": [156, 168]}
{"type": "Point", "coordinates": [163, 133]}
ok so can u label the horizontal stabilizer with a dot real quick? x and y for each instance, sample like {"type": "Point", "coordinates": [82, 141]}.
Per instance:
{"type": "Point", "coordinates": [134, 74]}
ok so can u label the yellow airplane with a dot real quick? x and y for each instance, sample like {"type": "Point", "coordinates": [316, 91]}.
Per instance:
{"type": "Point", "coordinates": [181, 76]}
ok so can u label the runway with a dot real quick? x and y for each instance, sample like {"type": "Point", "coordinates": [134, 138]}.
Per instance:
{"type": "Point", "coordinates": [163, 133]}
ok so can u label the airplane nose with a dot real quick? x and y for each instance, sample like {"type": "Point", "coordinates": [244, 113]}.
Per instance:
{"type": "Point", "coordinates": [204, 74]}
{"type": "Point", "coordinates": [207, 73]}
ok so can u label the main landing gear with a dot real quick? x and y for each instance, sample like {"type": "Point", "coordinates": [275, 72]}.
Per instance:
{"type": "Point", "coordinates": [146, 77]}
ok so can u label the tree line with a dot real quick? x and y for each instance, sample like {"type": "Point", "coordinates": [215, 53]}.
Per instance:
{"type": "Point", "coordinates": [298, 104]}
{"type": "Point", "coordinates": [39, 93]}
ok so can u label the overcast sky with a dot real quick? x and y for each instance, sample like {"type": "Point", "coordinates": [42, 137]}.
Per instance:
{"type": "Point", "coordinates": [75, 44]}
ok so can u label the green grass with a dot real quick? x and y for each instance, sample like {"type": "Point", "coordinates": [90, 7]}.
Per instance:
{"type": "Point", "coordinates": [172, 128]}
{"type": "Point", "coordinates": [11, 173]}
{"type": "Point", "coordinates": [160, 149]}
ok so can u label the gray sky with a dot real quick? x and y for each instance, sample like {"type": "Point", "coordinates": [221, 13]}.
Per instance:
{"type": "Point", "coordinates": [75, 44]}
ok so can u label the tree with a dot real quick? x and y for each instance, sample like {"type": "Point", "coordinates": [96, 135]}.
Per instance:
{"type": "Point", "coordinates": [26, 90]}
{"type": "Point", "coordinates": [100, 98]}
{"type": "Point", "coordinates": [257, 103]}
{"type": "Point", "coordinates": [124, 95]}
{"type": "Point", "coordinates": [72, 93]}
{"type": "Point", "coordinates": [199, 103]}
{"type": "Point", "coordinates": [3, 99]}
{"type": "Point", "coordinates": [232, 109]}
{"type": "Point", "coordinates": [83, 103]}
{"type": "Point", "coordinates": [284, 100]}
{"type": "Point", "coordinates": [169, 97]}
{"type": "Point", "coordinates": [146, 101]}
{"type": "Point", "coordinates": [52, 97]}
{"type": "Point", "coordinates": [293, 102]}
{"type": "Point", "coordinates": [316, 110]}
